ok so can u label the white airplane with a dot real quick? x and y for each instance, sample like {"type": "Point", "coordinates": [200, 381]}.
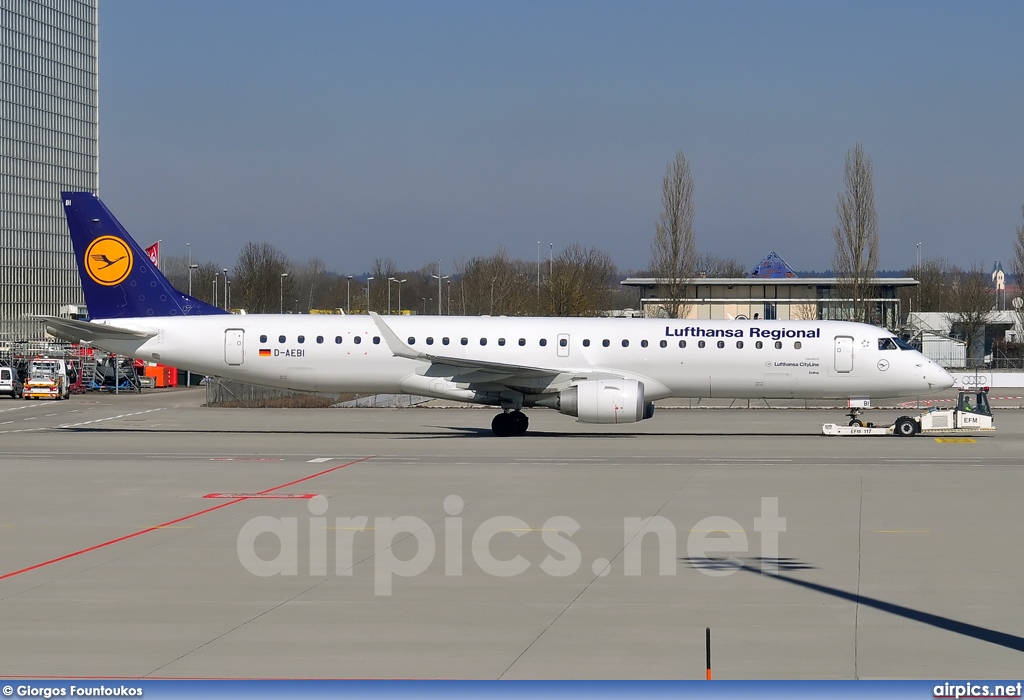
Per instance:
{"type": "Point", "coordinates": [596, 369]}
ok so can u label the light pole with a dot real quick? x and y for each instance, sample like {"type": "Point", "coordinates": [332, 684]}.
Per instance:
{"type": "Point", "coordinates": [440, 277]}
{"type": "Point", "coordinates": [228, 298]}
{"type": "Point", "coordinates": [390, 280]}
{"type": "Point", "coordinates": [492, 295]}
{"type": "Point", "coordinates": [190, 268]}
{"type": "Point", "coordinates": [348, 295]}
{"type": "Point", "coordinates": [400, 296]}
{"type": "Point", "coordinates": [449, 297]}
{"type": "Point", "coordinates": [189, 246]}
{"type": "Point", "coordinates": [368, 280]}
{"type": "Point", "coordinates": [216, 286]}
{"type": "Point", "coordinates": [283, 275]}
{"type": "Point", "coordinates": [538, 275]}
{"type": "Point", "coordinates": [918, 278]}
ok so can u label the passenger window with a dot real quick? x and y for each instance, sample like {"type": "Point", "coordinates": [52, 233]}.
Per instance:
{"type": "Point", "coordinates": [663, 343]}
{"type": "Point", "coordinates": [376, 340]}
{"type": "Point", "coordinates": [563, 342]}
{"type": "Point", "coordinates": [412, 341]}
{"type": "Point", "coordinates": [778, 344]}
{"type": "Point", "coordinates": [643, 343]}
{"type": "Point", "coordinates": [605, 342]}
{"type": "Point", "coordinates": [320, 339]}
{"type": "Point", "coordinates": [280, 338]}
{"type": "Point", "coordinates": [543, 342]}
{"type": "Point", "coordinates": [682, 343]}
{"type": "Point", "coordinates": [302, 339]}
{"type": "Point", "coordinates": [700, 343]}
{"type": "Point", "coordinates": [586, 342]}
{"type": "Point", "coordinates": [739, 344]}
{"type": "Point", "coordinates": [759, 345]}
{"type": "Point", "coordinates": [464, 341]}
{"type": "Point", "coordinates": [263, 338]}
{"type": "Point", "coordinates": [337, 340]}
{"type": "Point", "coordinates": [501, 342]}
{"type": "Point", "coordinates": [358, 339]}
{"type": "Point", "coordinates": [444, 341]}
{"type": "Point", "coordinates": [483, 341]}
{"type": "Point", "coordinates": [721, 344]}
{"type": "Point", "coordinates": [522, 342]}
{"type": "Point", "coordinates": [798, 345]}
{"type": "Point", "coordinates": [625, 343]}
{"type": "Point", "coordinates": [430, 341]}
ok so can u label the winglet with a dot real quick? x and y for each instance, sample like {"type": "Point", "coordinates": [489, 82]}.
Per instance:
{"type": "Point", "coordinates": [395, 344]}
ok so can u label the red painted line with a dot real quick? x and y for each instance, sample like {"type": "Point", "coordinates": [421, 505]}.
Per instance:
{"type": "Point", "coordinates": [261, 495]}
{"type": "Point", "coordinates": [116, 540]}
{"type": "Point", "coordinates": [123, 538]}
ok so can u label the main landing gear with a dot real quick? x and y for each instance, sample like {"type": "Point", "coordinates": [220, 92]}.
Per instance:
{"type": "Point", "coordinates": [509, 423]}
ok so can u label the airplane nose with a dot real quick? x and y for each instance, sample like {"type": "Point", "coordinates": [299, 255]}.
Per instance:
{"type": "Point", "coordinates": [939, 378]}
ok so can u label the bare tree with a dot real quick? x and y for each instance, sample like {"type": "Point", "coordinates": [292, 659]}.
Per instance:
{"type": "Point", "coordinates": [257, 282]}
{"type": "Point", "coordinates": [1018, 263]}
{"type": "Point", "coordinates": [709, 265]}
{"type": "Point", "coordinates": [674, 250]}
{"type": "Point", "coordinates": [971, 300]}
{"type": "Point", "coordinates": [855, 260]}
{"type": "Point", "coordinates": [496, 285]}
{"type": "Point", "coordinates": [935, 279]}
{"type": "Point", "coordinates": [580, 283]}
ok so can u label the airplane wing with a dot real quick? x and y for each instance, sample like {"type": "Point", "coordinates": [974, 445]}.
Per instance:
{"type": "Point", "coordinates": [84, 331]}
{"type": "Point", "coordinates": [470, 370]}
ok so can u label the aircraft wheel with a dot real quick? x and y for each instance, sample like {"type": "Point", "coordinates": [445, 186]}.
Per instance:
{"type": "Point", "coordinates": [503, 425]}
{"type": "Point", "coordinates": [856, 423]}
{"type": "Point", "coordinates": [521, 422]}
{"type": "Point", "coordinates": [905, 427]}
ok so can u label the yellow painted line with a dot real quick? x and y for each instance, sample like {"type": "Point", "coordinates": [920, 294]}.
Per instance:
{"type": "Point", "coordinates": [695, 530]}
{"type": "Point", "coordinates": [903, 531]}
{"type": "Point", "coordinates": [357, 529]}
{"type": "Point", "coordinates": [955, 440]}
{"type": "Point", "coordinates": [6, 524]}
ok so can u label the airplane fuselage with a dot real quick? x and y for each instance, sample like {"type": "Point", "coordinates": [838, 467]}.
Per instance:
{"type": "Point", "coordinates": [673, 358]}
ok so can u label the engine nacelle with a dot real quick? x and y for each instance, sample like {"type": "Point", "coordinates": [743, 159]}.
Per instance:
{"type": "Point", "coordinates": [605, 401]}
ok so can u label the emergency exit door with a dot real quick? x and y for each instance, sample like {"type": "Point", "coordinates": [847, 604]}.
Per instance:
{"type": "Point", "coordinates": [844, 353]}
{"type": "Point", "coordinates": [234, 346]}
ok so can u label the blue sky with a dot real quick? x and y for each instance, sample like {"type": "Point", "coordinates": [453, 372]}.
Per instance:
{"type": "Point", "coordinates": [441, 130]}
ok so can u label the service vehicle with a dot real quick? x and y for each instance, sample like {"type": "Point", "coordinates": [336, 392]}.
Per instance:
{"type": "Point", "coordinates": [963, 417]}
{"type": "Point", "coordinates": [9, 384]}
{"type": "Point", "coordinates": [47, 379]}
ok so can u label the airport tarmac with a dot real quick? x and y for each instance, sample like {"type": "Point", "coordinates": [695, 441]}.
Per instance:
{"type": "Point", "coordinates": [134, 531]}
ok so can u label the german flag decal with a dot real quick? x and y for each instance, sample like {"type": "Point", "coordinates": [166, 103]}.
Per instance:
{"type": "Point", "coordinates": [264, 352]}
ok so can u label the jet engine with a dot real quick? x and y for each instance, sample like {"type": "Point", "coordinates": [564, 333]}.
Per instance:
{"type": "Point", "coordinates": [603, 401]}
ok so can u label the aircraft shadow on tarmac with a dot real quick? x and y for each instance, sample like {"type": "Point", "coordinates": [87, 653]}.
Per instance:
{"type": "Point", "coordinates": [436, 432]}
{"type": "Point", "coordinates": [781, 565]}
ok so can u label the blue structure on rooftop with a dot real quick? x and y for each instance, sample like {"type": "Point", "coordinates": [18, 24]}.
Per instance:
{"type": "Point", "coordinates": [772, 267]}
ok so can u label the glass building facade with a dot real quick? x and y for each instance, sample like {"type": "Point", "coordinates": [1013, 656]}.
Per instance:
{"type": "Point", "coordinates": [49, 142]}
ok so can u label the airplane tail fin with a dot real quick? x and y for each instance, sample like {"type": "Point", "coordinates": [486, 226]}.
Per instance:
{"type": "Point", "coordinates": [118, 278]}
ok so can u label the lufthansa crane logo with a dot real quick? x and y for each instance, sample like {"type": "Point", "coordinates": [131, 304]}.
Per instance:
{"type": "Point", "coordinates": [108, 260]}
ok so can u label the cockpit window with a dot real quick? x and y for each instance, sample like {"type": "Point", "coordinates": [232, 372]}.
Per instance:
{"type": "Point", "coordinates": [903, 345]}
{"type": "Point", "coordinates": [887, 344]}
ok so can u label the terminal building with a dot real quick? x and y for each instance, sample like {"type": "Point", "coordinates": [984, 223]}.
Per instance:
{"type": "Point", "coordinates": [772, 290]}
{"type": "Point", "coordinates": [49, 142]}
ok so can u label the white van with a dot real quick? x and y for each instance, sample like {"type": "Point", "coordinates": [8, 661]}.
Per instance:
{"type": "Point", "coordinates": [9, 384]}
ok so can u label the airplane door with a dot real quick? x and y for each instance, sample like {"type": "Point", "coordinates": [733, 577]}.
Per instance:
{"type": "Point", "coordinates": [234, 346]}
{"type": "Point", "coordinates": [844, 353]}
{"type": "Point", "coordinates": [563, 345]}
